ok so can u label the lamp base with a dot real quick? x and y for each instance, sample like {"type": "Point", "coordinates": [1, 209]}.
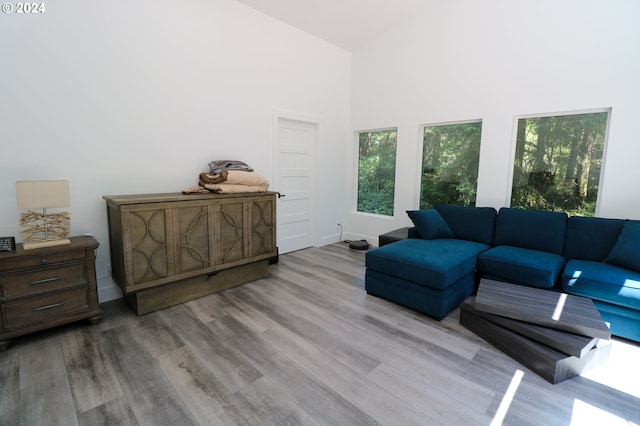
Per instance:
{"type": "Point", "coordinates": [41, 244]}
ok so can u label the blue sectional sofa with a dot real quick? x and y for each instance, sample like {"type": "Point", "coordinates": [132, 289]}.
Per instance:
{"type": "Point", "coordinates": [450, 248]}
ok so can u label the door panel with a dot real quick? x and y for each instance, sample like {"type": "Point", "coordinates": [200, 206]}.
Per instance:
{"type": "Point", "coordinates": [295, 173]}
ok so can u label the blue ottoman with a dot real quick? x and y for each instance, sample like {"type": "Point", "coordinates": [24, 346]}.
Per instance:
{"type": "Point", "coordinates": [430, 276]}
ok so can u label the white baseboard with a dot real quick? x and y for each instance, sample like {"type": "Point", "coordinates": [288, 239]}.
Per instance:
{"type": "Point", "coordinates": [108, 290]}
{"type": "Point", "coordinates": [346, 236]}
{"type": "Point", "coordinates": [329, 239]}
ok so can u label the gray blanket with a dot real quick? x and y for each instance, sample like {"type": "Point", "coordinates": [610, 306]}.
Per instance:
{"type": "Point", "coordinates": [220, 166]}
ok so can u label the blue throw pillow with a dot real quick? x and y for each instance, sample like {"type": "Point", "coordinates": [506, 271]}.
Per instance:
{"type": "Point", "coordinates": [430, 224]}
{"type": "Point", "coordinates": [626, 252]}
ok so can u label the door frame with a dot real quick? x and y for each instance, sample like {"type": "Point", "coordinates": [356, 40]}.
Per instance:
{"type": "Point", "coordinates": [309, 119]}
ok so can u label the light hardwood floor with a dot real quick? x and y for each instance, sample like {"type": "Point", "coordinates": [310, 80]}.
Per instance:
{"type": "Point", "coordinates": [306, 346]}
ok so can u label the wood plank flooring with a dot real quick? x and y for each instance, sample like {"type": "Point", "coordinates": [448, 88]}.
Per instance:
{"type": "Point", "coordinates": [305, 346]}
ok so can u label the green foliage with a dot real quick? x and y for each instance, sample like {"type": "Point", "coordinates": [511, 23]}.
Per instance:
{"type": "Point", "coordinates": [377, 171]}
{"type": "Point", "coordinates": [558, 162]}
{"type": "Point", "coordinates": [450, 164]}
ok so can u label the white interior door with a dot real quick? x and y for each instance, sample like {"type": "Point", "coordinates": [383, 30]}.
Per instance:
{"type": "Point", "coordinates": [294, 180]}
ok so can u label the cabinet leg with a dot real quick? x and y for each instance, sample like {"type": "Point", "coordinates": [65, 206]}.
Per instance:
{"type": "Point", "coordinates": [4, 344]}
{"type": "Point", "coordinates": [95, 320]}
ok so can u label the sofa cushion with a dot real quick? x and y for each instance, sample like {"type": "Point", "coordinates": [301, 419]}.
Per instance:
{"type": "Point", "coordinates": [432, 263]}
{"type": "Point", "coordinates": [531, 229]}
{"type": "Point", "coordinates": [430, 224]}
{"type": "Point", "coordinates": [600, 281]}
{"type": "Point", "coordinates": [470, 223]}
{"type": "Point", "coordinates": [626, 251]}
{"type": "Point", "coordinates": [591, 238]}
{"type": "Point", "coordinates": [523, 266]}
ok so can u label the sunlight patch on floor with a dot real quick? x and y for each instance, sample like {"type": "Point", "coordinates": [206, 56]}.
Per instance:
{"type": "Point", "coordinates": [621, 371]}
{"type": "Point", "coordinates": [587, 414]}
{"type": "Point", "coordinates": [507, 398]}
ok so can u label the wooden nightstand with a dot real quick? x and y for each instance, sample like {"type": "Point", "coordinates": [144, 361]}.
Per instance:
{"type": "Point", "coordinates": [47, 287]}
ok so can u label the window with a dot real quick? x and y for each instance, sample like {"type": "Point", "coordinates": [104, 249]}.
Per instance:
{"type": "Point", "coordinates": [558, 161]}
{"type": "Point", "coordinates": [377, 171]}
{"type": "Point", "coordinates": [450, 157]}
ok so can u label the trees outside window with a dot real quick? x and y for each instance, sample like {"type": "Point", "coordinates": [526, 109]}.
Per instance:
{"type": "Point", "coordinates": [558, 161]}
{"type": "Point", "coordinates": [450, 158]}
{"type": "Point", "coordinates": [377, 171]}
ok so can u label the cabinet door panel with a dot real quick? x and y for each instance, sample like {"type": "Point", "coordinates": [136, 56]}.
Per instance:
{"type": "Point", "coordinates": [148, 250]}
{"type": "Point", "coordinates": [193, 225]}
{"type": "Point", "coordinates": [263, 229]}
{"type": "Point", "coordinates": [230, 236]}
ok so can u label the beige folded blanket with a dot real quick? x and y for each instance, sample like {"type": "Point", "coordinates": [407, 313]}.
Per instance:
{"type": "Point", "coordinates": [237, 177]}
{"type": "Point", "coordinates": [231, 182]}
{"type": "Point", "coordinates": [195, 190]}
{"type": "Point", "coordinates": [231, 188]}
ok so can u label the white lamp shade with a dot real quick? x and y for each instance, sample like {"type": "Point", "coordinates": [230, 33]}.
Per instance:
{"type": "Point", "coordinates": [42, 194]}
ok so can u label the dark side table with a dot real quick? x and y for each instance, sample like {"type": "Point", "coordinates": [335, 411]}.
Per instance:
{"type": "Point", "coordinates": [393, 236]}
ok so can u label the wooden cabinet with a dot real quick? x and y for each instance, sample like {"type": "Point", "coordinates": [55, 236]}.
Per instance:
{"type": "Point", "coordinates": [170, 248]}
{"type": "Point", "coordinates": [46, 287]}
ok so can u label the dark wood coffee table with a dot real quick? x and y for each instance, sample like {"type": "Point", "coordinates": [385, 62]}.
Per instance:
{"type": "Point", "coordinates": [557, 335]}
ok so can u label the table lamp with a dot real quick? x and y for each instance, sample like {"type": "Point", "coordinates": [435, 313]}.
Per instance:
{"type": "Point", "coordinates": [42, 228]}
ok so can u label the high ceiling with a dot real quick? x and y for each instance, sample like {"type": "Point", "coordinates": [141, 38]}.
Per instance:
{"type": "Point", "coordinates": [345, 23]}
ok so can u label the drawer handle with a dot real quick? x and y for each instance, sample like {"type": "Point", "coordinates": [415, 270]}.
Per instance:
{"type": "Point", "coordinates": [46, 280]}
{"type": "Point", "coordinates": [44, 308]}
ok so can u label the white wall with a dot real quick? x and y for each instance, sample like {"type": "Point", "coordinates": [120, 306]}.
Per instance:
{"type": "Point", "coordinates": [136, 97]}
{"type": "Point", "coordinates": [493, 60]}
{"type": "Point", "coordinates": [125, 97]}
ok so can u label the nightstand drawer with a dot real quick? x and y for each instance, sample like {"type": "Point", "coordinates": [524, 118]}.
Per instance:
{"type": "Point", "coordinates": [43, 260]}
{"type": "Point", "coordinates": [48, 307]}
{"type": "Point", "coordinates": [42, 280]}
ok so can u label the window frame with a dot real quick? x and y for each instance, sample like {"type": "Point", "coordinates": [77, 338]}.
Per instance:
{"type": "Point", "coordinates": [514, 144]}
{"type": "Point", "coordinates": [356, 174]}
{"type": "Point", "coordinates": [420, 152]}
